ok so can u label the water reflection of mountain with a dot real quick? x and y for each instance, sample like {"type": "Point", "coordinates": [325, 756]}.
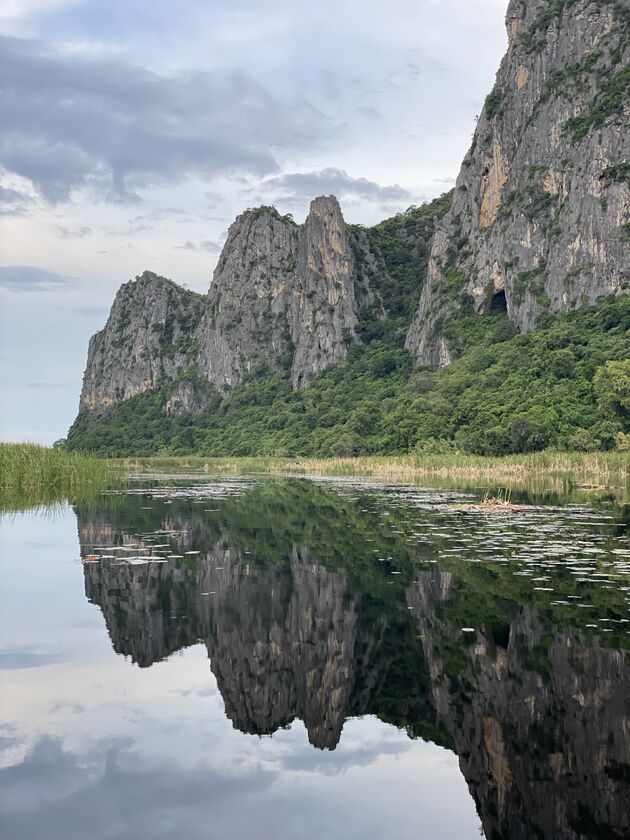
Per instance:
{"type": "Point", "coordinates": [300, 622]}
{"type": "Point", "coordinates": [540, 720]}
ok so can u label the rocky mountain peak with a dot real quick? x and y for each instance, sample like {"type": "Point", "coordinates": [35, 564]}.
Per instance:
{"type": "Point", "coordinates": [147, 340]}
{"type": "Point", "coordinates": [325, 306]}
{"type": "Point", "coordinates": [283, 296]}
{"type": "Point", "coordinates": [538, 223]}
{"type": "Point", "coordinates": [540, 210]}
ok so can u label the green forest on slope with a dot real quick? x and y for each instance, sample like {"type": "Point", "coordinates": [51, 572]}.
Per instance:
{"type": "Point", "coordinates": [565, 385]}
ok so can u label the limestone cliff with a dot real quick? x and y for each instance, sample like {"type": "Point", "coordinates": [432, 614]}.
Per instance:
{"type": "Point", "coordinates": [283, 295]}
{"type": "Point", "coordinates": [147, 340]}
{"type": "Point", "coordinates": [330, 291]}
{"type": "Point", "coordinates": [245, 322]}
{"type": "Point", "coordinates": [538, 222]}
{"type": "Point", "coordinates": [541, 206]}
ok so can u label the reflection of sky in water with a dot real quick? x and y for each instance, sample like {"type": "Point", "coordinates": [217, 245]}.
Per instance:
{"type": "Point", "coordinates": [92, 746]}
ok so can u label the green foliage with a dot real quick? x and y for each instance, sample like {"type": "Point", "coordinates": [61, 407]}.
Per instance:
{"type": "Point", "coordinates": [454, 282]}
{"type": "Point", "coordinates": [267, 209]}
{"type": "Point", "coordinates": [618, 173]}
{"type": "Point", "coordinates": [612, 386]}
{"type": "Point", "coordinates": [537, 202]}
{"type": "Point", "coordinates": [563, 386]}
{"type": "Point", "coordinates": [610, 102]}
{"type": "Point", "coordinates": [404, 242]}
{"type": "Point", "coordinates": [495, 102]}
{"type": "Point", "coordinates": [530, 281]}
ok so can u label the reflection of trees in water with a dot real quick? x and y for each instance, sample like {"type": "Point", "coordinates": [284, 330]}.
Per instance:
{"type": "Point", "coordinates": [304, 623]}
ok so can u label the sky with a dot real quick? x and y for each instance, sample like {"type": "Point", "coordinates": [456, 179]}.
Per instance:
{"type": "Point", "coordinates": [135, 131]}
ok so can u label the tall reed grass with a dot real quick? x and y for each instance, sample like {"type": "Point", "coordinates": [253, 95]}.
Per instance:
{"type": "Point", "coordinates": [581, 467]}
{"type": "Point", "coordinates": [31, 474]}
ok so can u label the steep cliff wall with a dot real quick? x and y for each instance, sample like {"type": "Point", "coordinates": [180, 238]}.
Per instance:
{"type": "Point", "coordinates": [283, 295]}
{"type": "Point", "coordinates": [245, 322]}
{"type": "Point", "coordinates": [539, 222]}
{"type": "Point", "coordinates": [147, 340]}
{"type": "Point", "coordinates": [329, 292]}
{"type": "Point", "coordinates": [541, 206]}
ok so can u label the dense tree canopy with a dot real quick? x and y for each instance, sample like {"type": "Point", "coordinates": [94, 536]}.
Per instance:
{"type": "Point", "coordinates": [565, 385]}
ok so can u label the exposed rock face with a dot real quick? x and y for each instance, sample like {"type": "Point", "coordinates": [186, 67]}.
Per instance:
{"type": "Point", "coordinates": [146, 341]}
{"type": "Point", "coordinates": [283, 295]}
{"type": "Point", "coordinates": [187, 397]}
{"type": "Point", "coordinates": [329, 292]}
{"type": "Point", "coordinates": [540, 214]}
{"type": "Point", "coordinates": [542, 202]}
{"type": "Point", "coordinates": [245, 323]}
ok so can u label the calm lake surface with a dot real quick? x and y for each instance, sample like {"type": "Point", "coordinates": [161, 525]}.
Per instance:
{"type": "Point", "coordinates": [301, 659]}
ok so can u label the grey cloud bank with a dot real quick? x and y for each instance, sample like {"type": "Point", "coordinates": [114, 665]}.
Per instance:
{"type": "Point", "coordinates": [302, 186]}
{"type": "Point", "coordinates": [29, 278]}
{"type": "Point", "coordinates": [70, 123]}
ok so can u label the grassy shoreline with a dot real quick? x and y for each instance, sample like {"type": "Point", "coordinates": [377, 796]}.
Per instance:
{"type": "Point", "coordinates": [580, 467]}
{"type": "Point", "coordinates": [32, 475]}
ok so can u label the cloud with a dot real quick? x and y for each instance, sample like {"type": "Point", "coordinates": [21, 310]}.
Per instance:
{"type": "Point", "coordinates": [209, 245]}
{"type": "Point", "coordinates": [43, 385]}
{"type": "Point", "coordinates": [9, 196]}
{"type": "Point", "coordinates": [7, 741]}
{"type": "Point", "coordinates": [70, 123]}
{"type": "Point", "coordinates": [13, 202]}
{"type": "Point", "coordinates": [30, 278]}
{"type": "Point", "coordinates": [337, 761]}
{"type": "Point", "coordinates": [16, 9]}
{"type": "Point", "coordinates": [72, 233]}
{"type": "Point", "coordinates": [299, 186]}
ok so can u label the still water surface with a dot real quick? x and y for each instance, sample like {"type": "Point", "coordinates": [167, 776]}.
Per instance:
{"type": "Point", "coordinates": [303, 659]}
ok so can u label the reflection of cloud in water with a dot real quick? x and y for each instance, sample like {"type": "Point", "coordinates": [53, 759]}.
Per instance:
{"type": "Point", "coordinates": [337, 761]}
{"type": "Point", "coordinates": [112, 791]}
{"type": "Point", "coordinates": [16, 658]}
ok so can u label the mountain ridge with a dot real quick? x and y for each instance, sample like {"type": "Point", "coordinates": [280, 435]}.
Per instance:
{"type": "Point", "coordinates": [536, 226]}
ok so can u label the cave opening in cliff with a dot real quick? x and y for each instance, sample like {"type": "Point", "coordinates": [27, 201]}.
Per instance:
{"type": "Point", "coordinates": [501, 635]}
{"type": "Point", "coordinates": [498, 303]}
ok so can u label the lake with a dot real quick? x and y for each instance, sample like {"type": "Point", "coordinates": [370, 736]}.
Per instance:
{"type": "Point", "coordinates": [309, 658]}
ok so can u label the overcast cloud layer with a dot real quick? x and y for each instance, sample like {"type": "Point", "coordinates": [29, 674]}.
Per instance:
{"type": "Point", "coordinates": [135, 131]}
